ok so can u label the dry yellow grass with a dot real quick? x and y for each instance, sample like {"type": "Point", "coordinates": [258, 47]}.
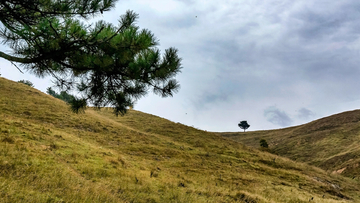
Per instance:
{"type": "Point", "coordinates": [48, 154]}
{"type": "Point", "coordinates": [332, 143]}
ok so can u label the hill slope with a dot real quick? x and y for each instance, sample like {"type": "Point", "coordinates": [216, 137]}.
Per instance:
{"type": "Point", "coordinates": [48, 154]}
{"type": "Point", "coordinates": [332, 143]}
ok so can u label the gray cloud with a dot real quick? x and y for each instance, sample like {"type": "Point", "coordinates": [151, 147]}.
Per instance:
{"type": "Point", "coordinates": [315, 22]}
{"type": "Point", "coordinates": [277, 117]}
{"type": "Point", "coordinates": [292, 53]}
{"type": "Point", "coordinates": [305, 114]}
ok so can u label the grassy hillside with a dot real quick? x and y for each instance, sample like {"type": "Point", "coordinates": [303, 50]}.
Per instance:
{"type": "Point", "coordinates": [332, 143]}
{"type": "Point", "coordinates": [48, 154]}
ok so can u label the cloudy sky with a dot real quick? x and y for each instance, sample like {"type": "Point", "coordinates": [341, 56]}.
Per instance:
{"type": "Point", "coordinates": [274, 63]}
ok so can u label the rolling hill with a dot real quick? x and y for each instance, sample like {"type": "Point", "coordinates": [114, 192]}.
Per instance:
{"type": "Point", "coordinates": [331, 143]}
{"type": "Point", "coordinates": [49, 154]}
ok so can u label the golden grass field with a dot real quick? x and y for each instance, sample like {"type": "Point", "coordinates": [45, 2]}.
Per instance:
{"type": "Point", "coordinates": [331, 143]}
{"type": "Point", "coordinates": [49, 154]}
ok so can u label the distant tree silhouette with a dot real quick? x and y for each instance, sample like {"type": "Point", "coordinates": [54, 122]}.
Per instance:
{"type": "Point", "coordinates": [263, 143]}
{"type": "Point", "coordinates": [244, 125]}
{"type": "Point", "coordinates": [26, 82]}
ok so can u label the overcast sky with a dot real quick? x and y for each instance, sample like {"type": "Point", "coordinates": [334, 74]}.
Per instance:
{"type": "Point", "coordinates": [273, 63]}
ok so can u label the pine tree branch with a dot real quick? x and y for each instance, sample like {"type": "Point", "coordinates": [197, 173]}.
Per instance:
{"type": "Point", "coordinates": [15, 59]}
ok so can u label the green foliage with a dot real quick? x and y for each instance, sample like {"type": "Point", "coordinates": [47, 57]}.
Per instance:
{"type": "Point", "coordinates": [108, 65]}
{"type": "Point", "coordinates": [63, 95]}
{"type": "Point", "coordinates": [77, 105]}
{"type": "Point", "coordinates": [26, 82]}
{"type": "Point", "coordinates": [263, 143]}
{"type": "Point", "coordinates": [244, 125]}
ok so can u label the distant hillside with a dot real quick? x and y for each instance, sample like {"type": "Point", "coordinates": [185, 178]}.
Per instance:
{"type": "Point", "coordinates": [49, 154]}
{"type": "Point", "coordinates": [332, 143]}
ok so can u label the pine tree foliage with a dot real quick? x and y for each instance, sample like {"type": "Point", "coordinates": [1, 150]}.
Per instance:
{"type": "Point", "coordinates": [109, 65]}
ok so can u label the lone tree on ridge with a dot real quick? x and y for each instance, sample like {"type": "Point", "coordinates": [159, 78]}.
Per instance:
{"type": "Point", "coordinates": [108, 65]}
{"type": "Point", "coordinates": [244, 125]}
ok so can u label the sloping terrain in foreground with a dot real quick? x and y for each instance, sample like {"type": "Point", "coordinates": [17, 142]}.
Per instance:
{"type": "Point", "coordinates": [49, 154]}
{"type": "Point", "coordinates": [331, 143]}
